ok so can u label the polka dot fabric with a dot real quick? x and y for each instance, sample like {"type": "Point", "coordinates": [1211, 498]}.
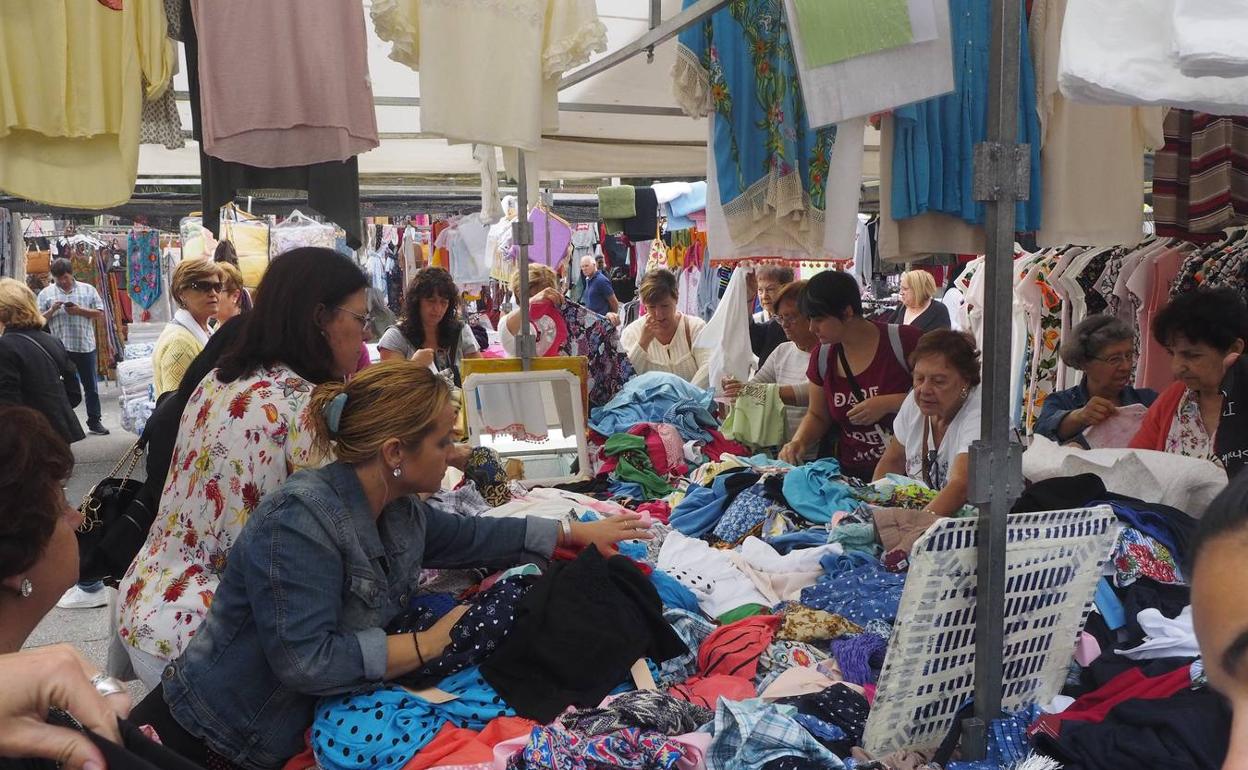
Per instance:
{"type": "Point", "coordinates": [478, 632]}
{"type": "Point", "coordinates": [384, 728]}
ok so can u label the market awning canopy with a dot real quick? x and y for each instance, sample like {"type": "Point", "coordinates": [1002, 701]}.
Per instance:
{"type": "Point", "coordinates": [621, 123]}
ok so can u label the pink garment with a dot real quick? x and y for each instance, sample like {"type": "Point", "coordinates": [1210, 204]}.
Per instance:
{"type": "Point", "coordinates": [1153, 370]}
{"type": "Point", "coordinates": [552, 329]}
{"type": "Point", "coordinates": [705, 691]}
{"type": "Point", "coordinates": [560, 239]}
{"type": "Point", "coordinates": [269, 98]}
{"type": "Point", "coordinates": [658, 510]}
{"type": "Point", "coordinates": [1117, 431]}
{"type": "Point", "coordinates": [695, 746]}
{"type": "Point", "coordinates": [494, 351]}
{"type": "Point", "coordinates": [364, 360]}
{"type": "Point", "coordinates": [720, 446]}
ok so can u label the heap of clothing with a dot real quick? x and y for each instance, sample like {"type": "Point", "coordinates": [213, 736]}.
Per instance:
{"type": "Point", "coordinates": [751, 631]}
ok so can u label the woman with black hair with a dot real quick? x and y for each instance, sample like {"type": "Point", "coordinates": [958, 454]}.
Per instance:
{"type": "Point", "coordinates": [858, 376]}
{"type": "Point", "coordinates": [1204, 413]}
{"type": "Point", "coordinates": [244, 432]}
{"type": "Point", "coordinates": [430, 332]}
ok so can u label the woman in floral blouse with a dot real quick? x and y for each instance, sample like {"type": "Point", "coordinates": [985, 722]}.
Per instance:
{"type": "Point", "coordinates": [242, 433]}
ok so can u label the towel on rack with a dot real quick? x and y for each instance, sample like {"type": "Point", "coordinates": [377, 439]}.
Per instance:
{"type": "Point", "coordinates": [615, 204]}
{"type": "Point", "coordinates": [694, 200]}
{"type": "Point", "coordinates": [644, 224]}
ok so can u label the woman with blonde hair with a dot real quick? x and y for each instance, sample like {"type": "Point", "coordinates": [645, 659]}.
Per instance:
{"type": "Point", "coordinates": [283, 633]}
{"type": "Point", "coordinates": [230, 301]}
{"type": "Point", "coordinates": [196, 287]}
{"type": "Point", "coordinates": [35, 369]}
{"type": "Point", "coordinates": [662, 339]}
{"type": "Point", "coordinates": [543, 287]}
{"type": "Point", "coordinates": [918, 308]}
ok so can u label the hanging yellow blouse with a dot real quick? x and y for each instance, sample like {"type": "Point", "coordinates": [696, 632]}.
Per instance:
{"type": "Point", "coordinates": [71, 94]}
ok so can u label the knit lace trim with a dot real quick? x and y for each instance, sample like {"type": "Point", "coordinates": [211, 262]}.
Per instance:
{"type": "Point", "coordinates": [691, 84]}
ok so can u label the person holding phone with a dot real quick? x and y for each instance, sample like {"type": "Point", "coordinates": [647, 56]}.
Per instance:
{"type": "Point", "coordinates": [71, 307]}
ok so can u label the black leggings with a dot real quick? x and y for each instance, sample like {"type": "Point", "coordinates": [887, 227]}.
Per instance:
{"type": "Point", "coordinates": [154, 711]}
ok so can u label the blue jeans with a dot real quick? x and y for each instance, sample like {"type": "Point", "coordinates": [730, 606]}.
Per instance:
{"type": "Point", "coordinates": [92, 587]}
{"type": "Point", "coordinates": [85, 363]}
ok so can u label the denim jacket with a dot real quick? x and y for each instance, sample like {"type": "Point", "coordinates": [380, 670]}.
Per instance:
{"type": "Point", "coordinates": [309, 586]}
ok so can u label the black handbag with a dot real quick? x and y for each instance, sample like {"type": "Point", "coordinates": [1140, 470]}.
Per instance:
{"type": "Point", "coordinates": [115, 519]}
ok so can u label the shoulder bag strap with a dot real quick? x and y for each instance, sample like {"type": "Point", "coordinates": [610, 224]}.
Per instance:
{"type": "Point", "coordinates": [894, 338]}
{"type": "Point", "coordinates": [926, 455]}
{"type": "Point", "coordinates": [44, 351]}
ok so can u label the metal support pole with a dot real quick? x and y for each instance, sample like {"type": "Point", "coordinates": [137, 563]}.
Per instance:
{"type": "Point", "coordinates": [1002, 177]}
{"type": "Point", "coordinates": [656, 17]}
{"type": "Point", "coordinates": [522, 236]}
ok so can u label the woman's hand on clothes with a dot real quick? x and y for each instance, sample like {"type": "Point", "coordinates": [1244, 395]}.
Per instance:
{"type": "Point", "coordinates": [606, 532]}
{"type": "Point", "coordinates": [54, 677]}
{"type": "Point", "coordinates": [424, 356]}
{"type": "Point", "coordinates": [869, 411]}
{"type": "Point", "coordinates": [614, 318]}
{"type": "Point", "coordinates": [1095, 412]}
{"type": "Point", "coordinates": [732, 387]}
{"type": "Point", "coordinates": [792, 453]}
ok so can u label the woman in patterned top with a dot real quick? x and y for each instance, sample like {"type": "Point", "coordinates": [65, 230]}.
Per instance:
{"type": "Point", "coordinates": [1202, 414]}
{"type": "Point", "coordinates": [243, 431]}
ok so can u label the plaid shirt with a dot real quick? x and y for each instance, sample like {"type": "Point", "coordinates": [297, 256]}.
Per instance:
{"type": "Point", "coordinates": [76, 332]}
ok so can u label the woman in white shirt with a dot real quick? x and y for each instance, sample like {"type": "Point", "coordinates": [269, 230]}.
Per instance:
{"type": "Point", "coordinates": [662, 339]}
{"type": "Point", "coordinates": [543, 287]}
{"type": "Point", "coordinates": [939, 420]}
{"type": "Point", "coordinates": [788, 363]}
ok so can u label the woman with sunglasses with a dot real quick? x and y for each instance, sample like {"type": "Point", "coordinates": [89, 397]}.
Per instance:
{"type": "Point", "coordinates": [244, 431]}
{"type": "Point", "coordinates": [196, 288]}
{"type": "Point", "coordinates": [1103, 348]}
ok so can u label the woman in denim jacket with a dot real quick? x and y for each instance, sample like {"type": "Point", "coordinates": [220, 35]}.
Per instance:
{"type": "Point", "coordinates": [327, 562]}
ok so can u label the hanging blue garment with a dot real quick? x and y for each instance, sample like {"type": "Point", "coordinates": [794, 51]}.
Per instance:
{"type": "Point", "coordinates": [933, 152]}
{"type": "Point", "coordinates": [657, 397]}
{"type": "Point", "coordinates": [772, 169]}
{"type": "Point", "coordinates": [143, 267]}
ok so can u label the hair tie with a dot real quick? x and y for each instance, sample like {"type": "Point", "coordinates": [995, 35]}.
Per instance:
{"type": "Point", "coordinates": [333, 411]}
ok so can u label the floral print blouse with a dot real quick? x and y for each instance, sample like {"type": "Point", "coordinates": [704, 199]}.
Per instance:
{"type": "Point", "coordinates": [236, 443]}
{"type": "Point", "coordinates": [1188, 436]}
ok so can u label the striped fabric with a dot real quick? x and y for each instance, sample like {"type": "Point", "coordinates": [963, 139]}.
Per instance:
{"type": "Point", "coordinates": [1200, 178]}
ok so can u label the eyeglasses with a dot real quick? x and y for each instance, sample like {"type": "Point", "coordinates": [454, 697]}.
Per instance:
{"type": "Point", "coordinates": [207, 287]}
{"type": "Point", "coordinates": [1118, 360]}
{"type": "Point", "coordinates": [786, 321]}
{"type": "Point", "coordinates": [366, 319]}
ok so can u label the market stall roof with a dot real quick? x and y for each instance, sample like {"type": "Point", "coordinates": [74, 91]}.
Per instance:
{"type": "Point", "coordinates": [621, 123]}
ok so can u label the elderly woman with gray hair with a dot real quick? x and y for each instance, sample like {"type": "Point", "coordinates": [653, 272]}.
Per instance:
{"type": "Point", "coordinates": [1103, 348]}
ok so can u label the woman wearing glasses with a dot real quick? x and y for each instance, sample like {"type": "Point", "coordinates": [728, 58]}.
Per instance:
{"type": "Point", "coordinates": [787, 364]}
{"type": "Point", "coordinates": [244, 430]}
{"type": "Point", "coordinates": [1103, 348]}
{"type": "Point", "coordinates": [196, 288]}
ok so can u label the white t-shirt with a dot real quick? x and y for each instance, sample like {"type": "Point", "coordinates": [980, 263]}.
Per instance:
{"type": "Point", "coordinates": [964, 429]}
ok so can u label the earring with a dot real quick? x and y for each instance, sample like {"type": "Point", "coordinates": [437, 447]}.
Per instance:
{"type": "Point", "coordinates": [26, 588]}
{"type": "Point", "coordinates": [398, 471]}
{"type": "Point", "coordinates": [965, 392]}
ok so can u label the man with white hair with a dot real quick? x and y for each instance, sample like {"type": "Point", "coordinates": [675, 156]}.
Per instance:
{"type": "Point", "coordinates": [598, 294]}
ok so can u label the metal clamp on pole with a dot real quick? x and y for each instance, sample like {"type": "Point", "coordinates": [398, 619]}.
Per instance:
{"type": "Point", "coordinates": [522, 236]}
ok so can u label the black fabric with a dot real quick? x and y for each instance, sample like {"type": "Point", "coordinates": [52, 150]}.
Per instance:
{"type": "Point", "coordinates": [1061, 494]}
{"type": "Point", "coordinates": [736, 481]}
{"type": "Point", "coordinates": [1144, 594]}
{"type": "Point", "coordinates": [136, 751]}
{"type": "Point", "coordinates": [333, 188]}
{"type": "Point", "coordinates": [577, 633]}
{"type": "Point", "coordinates": [1188, 731]}
{"type": "Point", "coordinates": [1231, 441]}
{"type": "Point", "coordinates": [765, 338]}
{"type": "Point", "coordinates": [154, 711]}
{"type": "Point", "coordinates": [595, 487]}
{"type": "Point", "coordinates": [1108, 666]}
{"type": "Point", "coordinates": [645, 224]}
{"type": "Point", "coordinates": [41, 382]}
{"type": "Point", "coordinates": [936, 316]}
{"type": "Point", "coordinates": [837, 705]}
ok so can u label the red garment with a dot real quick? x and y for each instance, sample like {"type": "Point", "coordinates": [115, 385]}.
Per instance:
{"type": "Point", "coordinates": [1129, 685]}
{"type": "Point", "coordinates": [461, 746]}
{"type": "Point", "coordinates": [861, 446]}
{"type": "Point", "coordinates": [720, 446]}
{"type": "Point", "coordinates": [1157, 421]}
{"type": "Point", "coordinates": [728, 661]}
{"type": "Point", "coordinates": [659, 510]}
{"type": "Point", "coordinates": [667, 460]}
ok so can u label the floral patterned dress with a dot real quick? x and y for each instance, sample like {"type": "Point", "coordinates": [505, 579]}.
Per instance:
{"type": "Point", "coordinates": [236, 443]}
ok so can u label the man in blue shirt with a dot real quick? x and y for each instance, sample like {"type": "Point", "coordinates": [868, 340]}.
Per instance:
{"type": "Point", "coordinates": [598, 295]}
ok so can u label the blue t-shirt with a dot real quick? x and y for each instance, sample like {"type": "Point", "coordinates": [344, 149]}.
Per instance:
{"type": "Point", "coordinates": [598, 294]}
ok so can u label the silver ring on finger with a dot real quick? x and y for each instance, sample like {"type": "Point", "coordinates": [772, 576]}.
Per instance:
{"type": "Point", "coordinates": [106, 685]}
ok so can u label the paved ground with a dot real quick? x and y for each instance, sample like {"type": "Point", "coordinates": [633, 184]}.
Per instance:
{"type": "Point", "coordinates": [95, 456]}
